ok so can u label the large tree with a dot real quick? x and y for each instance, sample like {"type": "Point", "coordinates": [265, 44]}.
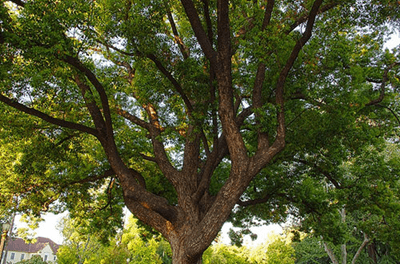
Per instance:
{"type": "Point", "coordinates": [173, 108]}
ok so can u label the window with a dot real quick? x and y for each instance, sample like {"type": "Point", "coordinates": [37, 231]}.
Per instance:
{"type": "Point", "coordinates": [12, 256]}
{"type": "Point", "coordinates": [46, 257]}
{"type": "Point", "coordinates": [22, 256]}
{"type": "Point", "coordinates": [55, 257]}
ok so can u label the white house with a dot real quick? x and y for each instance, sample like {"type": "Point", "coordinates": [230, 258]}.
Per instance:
{"type": "Point", "coordinates": [18, 250]}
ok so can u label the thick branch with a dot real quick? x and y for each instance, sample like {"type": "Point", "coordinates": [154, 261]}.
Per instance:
{"type": "Point", "coordinates": [47, 118]}
{"type": "Point", "coordinates": [268, 14]}
{"type": "Point", "coordinates": [260, 76]}
{"type": "Point", "coordinates": [91, 105]}
{"type": "Point", "coordinates": [199, 32]}
{"type": "Point", "coordinates": [263, 155]}
{"type": "Point", "coordinates": [184, 49]}
{"type": "Point", "coordinates": [305, 17]}
{"type": "Point", "coordinates": [255, 201]}
{"type": "Point", "coordinates": [148, 158]}
{"type": "Point", "coordinates": [99, 88]}
{"type": "Point", "coordinates": [159, 150]}
{"type": "Point", "coordinates": [152, 209]}
{"type": "Point", "coordinates": [344, 253]}
{"type": "Point", "coordinates": [174, 82]}
{"type": "Point", "coordinates": [191, 154]}
{"type": "Point", "coordinates": [138, 177]}
{"type": "Point", "coordinates": [208, 20]}
{"type": "Point", "coordinates": [134, 119]}
{"type": "Point", "coordinates": [227, 114]}
{"type": "Point", "coordinates": [297, 48]}
{"type": "Point", "coordinates": [213, 160]}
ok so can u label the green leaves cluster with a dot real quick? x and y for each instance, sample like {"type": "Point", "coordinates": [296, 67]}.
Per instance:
{"type": "Point", "coordinates": [133, 244]}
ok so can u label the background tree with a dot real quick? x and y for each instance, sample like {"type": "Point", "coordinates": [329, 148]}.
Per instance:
{"type": "Point", "coordinates": [221, 253]}
{"type": "Point", "coordinates": [35, 259]}
{"type": "Point", "coordinates": [358, 215]}
{"type": "Point", "coordinates": [276, 249]}
{"type": "Point", "coordinates": [181, 110]}
{"type": "Point", "coordinates": [79, 243]}
{"type": "Point", "coordinates": [310, 250]}
{"type": "Point", "coordinates": [133, 244]}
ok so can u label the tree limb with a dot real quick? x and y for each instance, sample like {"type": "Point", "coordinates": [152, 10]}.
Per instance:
{"type": "Point", "coordinates": [134, 119]}
{"type": "Point", "coordinates": [255, 201]}
{"type": "Point", "coordinates": [174, 82]}
{"type": "Point", "coordinates": [47, 118]}
{"type": "Point", "coordinates": [73, 61]}
{"type": "Point", "coordinates": [94, 110]}
{"type": "Point", "coordinates": [263, 156]}
{"type": "Point", "coordinates": [199, 32]}
{"type": "Point", "coordinates": [210, 33]}
{"type": "Point", "coordinates": [184, 49]}
{"type": "Point", "coordinates": [391, 110]}
{"type": "Point", "coordinates": [159, 150]}
{"type": "Point", "coordinates": [330, 253]}
{"type": "Point", "coordinates": [383, 84]}
{"type": "Point", "coordinates": [305, 17]}
{"type": "Point", "coordinates": [364, 243]}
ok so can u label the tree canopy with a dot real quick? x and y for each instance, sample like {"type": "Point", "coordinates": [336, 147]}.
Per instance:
{"type": "Point", "coordinates": [193, 112]}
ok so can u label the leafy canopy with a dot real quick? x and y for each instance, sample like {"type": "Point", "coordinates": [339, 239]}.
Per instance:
{"type": "Point", "coordinates": [190, 112]}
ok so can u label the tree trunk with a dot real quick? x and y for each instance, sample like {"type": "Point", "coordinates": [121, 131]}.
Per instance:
{"type": "Point", "coordinates": [179, 257]}
{"type": "Point", "coordinates": [330, 253]}
{"type": "Point", "coordinates": [181, 254]}
{"type": "Point", "coordinates": [372, 252]}
{"type": "Point", "coordinates": [344, 253]}
{"type": "Point", "coordinates": [343, 246]}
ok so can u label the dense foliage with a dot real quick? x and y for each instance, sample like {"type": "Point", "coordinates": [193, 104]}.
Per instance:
{"type": "Point", "coordinates": [133, 245]}
{"type": "Point", "coordinates": [192, 113]}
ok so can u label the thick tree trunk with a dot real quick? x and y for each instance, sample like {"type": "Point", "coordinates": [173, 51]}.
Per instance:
{"type": "Point", "coordinates": [184, 249]}
{"type": "Point", "coordinates": [180, 256]}
{"type": "Point", "coordinates": [184, 260]}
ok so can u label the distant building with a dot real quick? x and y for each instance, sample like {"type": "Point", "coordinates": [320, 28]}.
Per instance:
{"type": "Point", "coordinates": [18, 250]}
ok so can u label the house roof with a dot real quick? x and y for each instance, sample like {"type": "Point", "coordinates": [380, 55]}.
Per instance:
{"type": "Point", "coordinates": [19, 245]}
